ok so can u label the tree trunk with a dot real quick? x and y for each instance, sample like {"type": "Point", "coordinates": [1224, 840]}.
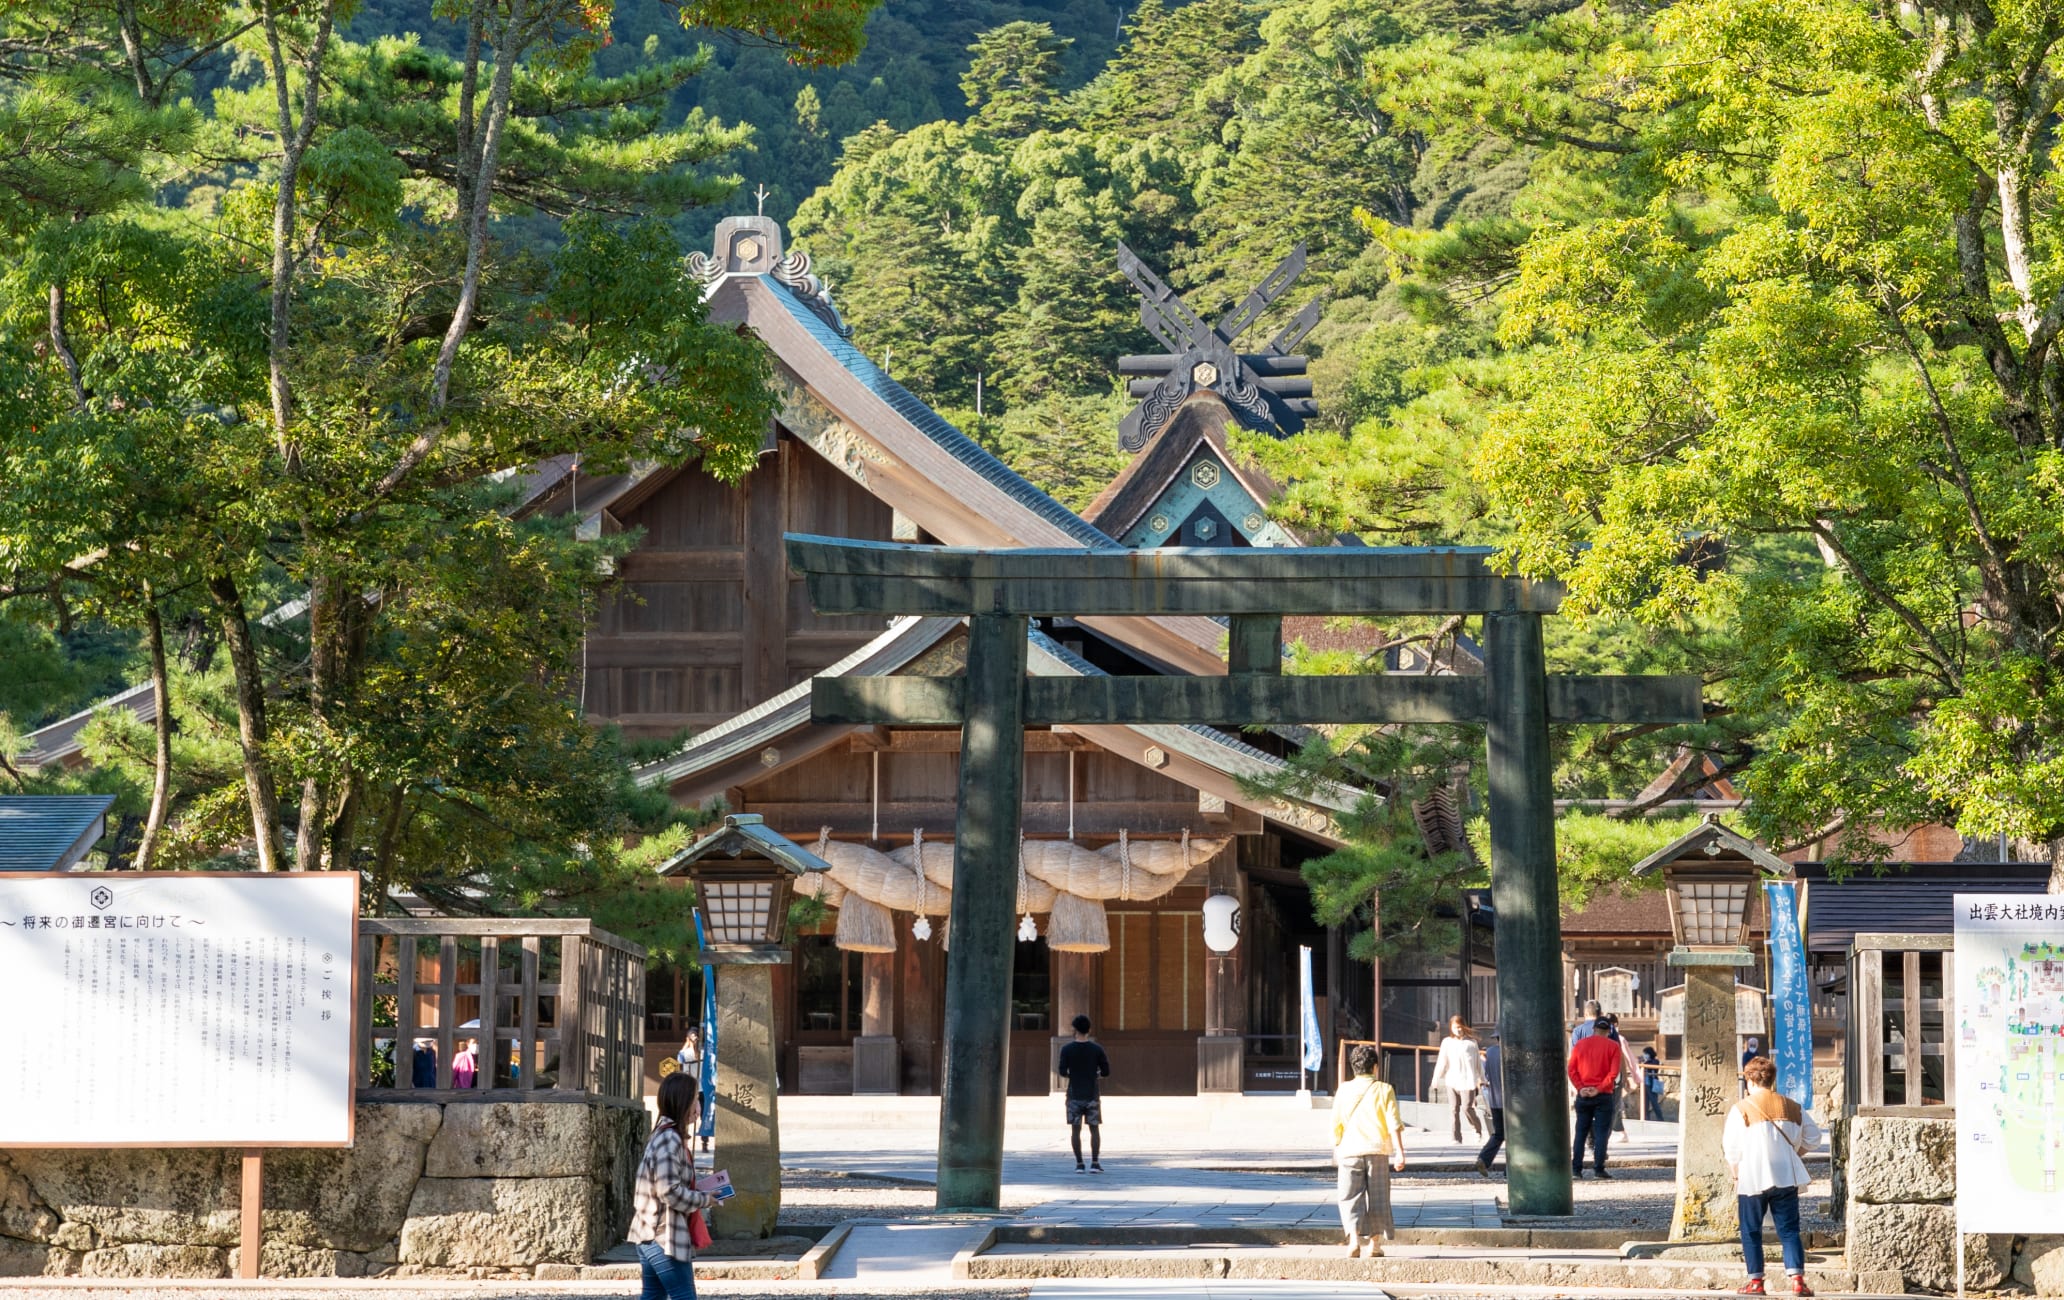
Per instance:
{"type": "Point", "coordinates": [315, 795]}
{"type": "Point", "coordinates": [481, 186]}
{"type": "Point", "coordinates": [259, 787]}
{"type": "Point", "coordinates": [161, 777]}
{"type": "Point", "coordinates": [294, 141]}
{"type": "Point", "coordinates": [61, 344]}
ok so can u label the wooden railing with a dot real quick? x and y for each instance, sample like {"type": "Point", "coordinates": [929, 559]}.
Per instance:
{"type": "Point", "coordinates": [555, 1006]}
{"type": "Point", "coordinates": [1901, 999]}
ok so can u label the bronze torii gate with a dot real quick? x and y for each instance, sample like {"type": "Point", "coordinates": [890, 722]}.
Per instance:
{"type": "Point", "coordinates": [994, 701]}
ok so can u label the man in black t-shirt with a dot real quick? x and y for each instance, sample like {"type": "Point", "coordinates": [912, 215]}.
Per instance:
{"type": "Point", "coordinates": [1082, 1063]}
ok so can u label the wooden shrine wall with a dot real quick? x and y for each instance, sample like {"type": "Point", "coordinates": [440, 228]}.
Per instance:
{"type": "Point", "coordinates": [710, 623]}
{"type": "Point", "coordinates": [918, 774]}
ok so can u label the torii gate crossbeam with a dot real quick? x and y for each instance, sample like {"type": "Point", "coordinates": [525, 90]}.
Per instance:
{"type": "Point", "coordinates": [993, 702]}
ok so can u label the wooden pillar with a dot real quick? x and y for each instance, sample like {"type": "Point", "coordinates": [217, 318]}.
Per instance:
{"type": "Point", "coordinates": [982, 930]}
{"type": "Point", "coordinates": [877, 1057]}
{"type": "Point", "coordinates": [1074, 994]}
{"type": "Point", "coordinates": [1529, 942]}
{"type": "Point", "coordinates": [920, 1037]}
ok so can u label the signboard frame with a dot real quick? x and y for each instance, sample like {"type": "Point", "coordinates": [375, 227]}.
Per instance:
{"type": "Point", "coordinates": [351, 982]}
{"type": "Point", "coordinates": [1970, 1080]}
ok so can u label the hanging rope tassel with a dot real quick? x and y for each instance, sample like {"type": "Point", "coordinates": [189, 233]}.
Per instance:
{"type": "Point", "coordinates": [1028, 929]}
{"type": "Point", "coordinates": [921, 928]}
{"type": "Point", "coordinates": [1124, 867]}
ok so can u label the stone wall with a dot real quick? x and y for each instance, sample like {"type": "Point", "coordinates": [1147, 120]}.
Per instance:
{"type": "Point", "coordinates": [472, 1188]}
{"type": "Point", "coordinates": [1900, 1214]}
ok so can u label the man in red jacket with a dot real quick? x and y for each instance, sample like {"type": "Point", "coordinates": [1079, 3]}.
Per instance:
{"type": "Point", "coordinates": [1594, 1070]}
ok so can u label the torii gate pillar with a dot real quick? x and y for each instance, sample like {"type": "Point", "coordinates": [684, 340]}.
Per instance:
{"type": "Point", "coordinates": [1529, 933]}
{"type": "Point", "coordinates": [981, 929]}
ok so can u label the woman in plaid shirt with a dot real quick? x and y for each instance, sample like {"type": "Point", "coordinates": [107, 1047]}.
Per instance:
{"type": "Point", "coordinates": [666, 1195]}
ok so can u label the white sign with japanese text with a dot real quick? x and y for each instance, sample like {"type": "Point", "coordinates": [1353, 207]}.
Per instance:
{"type": "Point", "coordinates": [177, 1009]}
{"type": "Point", "coordinates": [2009, 1042]}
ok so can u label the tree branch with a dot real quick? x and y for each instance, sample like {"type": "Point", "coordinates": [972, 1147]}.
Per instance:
{"type": "Point", "coordinates": [1879, 592]}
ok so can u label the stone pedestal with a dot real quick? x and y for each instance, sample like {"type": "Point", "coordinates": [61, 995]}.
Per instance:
{"type": "Point", "coordinates": [1712, 1084]}
{"type": "Point", "coordinates": [877, 1065]}
{"type": "Point", "coordinates": [748, 1128]}
{"type": "Point", "coordinates": [1221, 1064]}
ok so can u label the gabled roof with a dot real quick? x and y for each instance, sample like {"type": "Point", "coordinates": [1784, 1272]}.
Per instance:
{"type": "Point", "coordinates": [50, 832]}
{"type": "Point", "coordinates": [60, 740]}
{"type": "Point", "coordinates": [929, 424]}
{"type": "Point", "coordinates": [743, 833]}
{"type": "Point", "coordinates": [1199, 426]}
{"type": "Point", "coordinates": [1709, 839]}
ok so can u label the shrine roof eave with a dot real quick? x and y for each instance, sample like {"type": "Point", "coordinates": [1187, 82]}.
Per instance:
{"type": "Point", "coordinates": [938, 477]}
{"type": "Point", "coordinates": [1195, 755]}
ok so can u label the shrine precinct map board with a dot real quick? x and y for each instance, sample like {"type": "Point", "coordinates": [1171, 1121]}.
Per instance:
{"type": "Point", "coordinates": [2009, 1036]}
{"type": "Point", "coordinates": [177, 1009]}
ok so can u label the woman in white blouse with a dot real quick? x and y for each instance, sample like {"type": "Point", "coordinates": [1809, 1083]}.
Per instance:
{"type": "Point", "coordinates": [1765, 1139]}
{"type": "Point", "coordinates": [1460, 1070]}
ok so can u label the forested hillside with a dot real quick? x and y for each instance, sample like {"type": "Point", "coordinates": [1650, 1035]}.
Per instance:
{"type": "Point", "coordinates": [908, 74]}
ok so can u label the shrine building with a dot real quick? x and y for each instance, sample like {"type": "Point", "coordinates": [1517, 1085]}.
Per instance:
{"type": "Point", "coordinates": [1128, 829]}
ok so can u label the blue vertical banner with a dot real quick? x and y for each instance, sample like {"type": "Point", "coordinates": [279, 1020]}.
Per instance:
{"type": "Point", "coordinates": [1791, 1002]}
{"type": "Point", "coordinates": [1314, 1057]}
{"type": "Point", "coordinates": [707, 1084]}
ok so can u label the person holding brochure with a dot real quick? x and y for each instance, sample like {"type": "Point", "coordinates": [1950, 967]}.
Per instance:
{"type": "Point", "coordinates": [666, 1216]}
{"type": "Point", "coordinates": [1765, 1139]}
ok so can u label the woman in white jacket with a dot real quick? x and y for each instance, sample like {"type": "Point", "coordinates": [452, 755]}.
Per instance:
{"type": "Point", "coordinates": [1460, 1070]}
{"type": "Point", "coordinates": [1764, 1138]}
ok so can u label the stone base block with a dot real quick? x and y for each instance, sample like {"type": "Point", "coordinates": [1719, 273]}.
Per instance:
{"type": "Point", "coordinates": [877, 1064]}
{"type": "Point", "coordinates": [1897, 1160]}
{"type": "Point", "coordinates": [497, 1223]}
{"type": "Point", "coordinates": [156, 1261]}
{"type": "Point", "coordinates": [2039, 1265]}
{"type": "Point", "coordinates": [1919, 1242]}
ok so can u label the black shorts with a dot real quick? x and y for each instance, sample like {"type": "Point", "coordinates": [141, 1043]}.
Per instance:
{"type": "Point", "coordinates": [1091, 1111]}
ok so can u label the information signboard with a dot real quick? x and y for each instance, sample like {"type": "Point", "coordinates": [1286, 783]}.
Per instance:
{"type": "Point", "coordinates": [177, 1009]}
{"type": "Point", "coordinates": [2008, 1019]}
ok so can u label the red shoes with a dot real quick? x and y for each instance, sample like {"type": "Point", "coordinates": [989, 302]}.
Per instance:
{"type": "Point", "coordinates": [1799, 1286]}
{"type": "Point", "coordinates": [1754, 1286]}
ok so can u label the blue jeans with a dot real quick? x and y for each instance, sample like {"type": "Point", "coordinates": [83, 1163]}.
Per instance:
{"type": "Point", "coordinates": [667, 1278]}
{"type": "Point", "coordinates": [1490, 1148]}
{"type": "Point", "coordinates": [1783, 1204]}
{"type": "Point", "coordinates": [1594, 1122]}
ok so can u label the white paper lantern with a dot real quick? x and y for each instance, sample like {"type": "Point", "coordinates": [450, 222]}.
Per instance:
{"type": "Point", "coordinates": [1221, 923]}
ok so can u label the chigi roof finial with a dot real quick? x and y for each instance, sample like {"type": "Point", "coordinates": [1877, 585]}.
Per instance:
{"type": "Point", "coordinates": [1265, 390]}
{"type": "Point", "coordinates": [760, 193]}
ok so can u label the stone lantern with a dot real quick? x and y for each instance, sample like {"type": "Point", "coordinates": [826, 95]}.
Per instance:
{"type": "Point", "coordinates": [744, 875]}
{"type": "Point", "coordinates": [1711, 877]}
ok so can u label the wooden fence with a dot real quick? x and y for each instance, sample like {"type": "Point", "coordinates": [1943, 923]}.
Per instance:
{"type": "Point", "coordinates": [1902, 1000]}
{"type": "Point", "coordinates": [555, 1006]}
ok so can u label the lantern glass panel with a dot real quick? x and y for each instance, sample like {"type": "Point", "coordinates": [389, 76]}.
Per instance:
{"type": "Point", "coordinates": [1712, 911]}
{"type": "Point", "coordinates": [737, 911]}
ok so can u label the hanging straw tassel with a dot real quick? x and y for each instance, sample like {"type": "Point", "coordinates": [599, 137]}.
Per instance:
{"type": "Point", "coordinates": [865, 926]}
{"type": "Point", "coordinates": [1077, 925]}
{"type": "Point", "coordinates": [921, 928]}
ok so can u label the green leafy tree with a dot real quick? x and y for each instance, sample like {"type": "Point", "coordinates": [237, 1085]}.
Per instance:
{"type": "Point", "coordinates": [1011, 85]}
